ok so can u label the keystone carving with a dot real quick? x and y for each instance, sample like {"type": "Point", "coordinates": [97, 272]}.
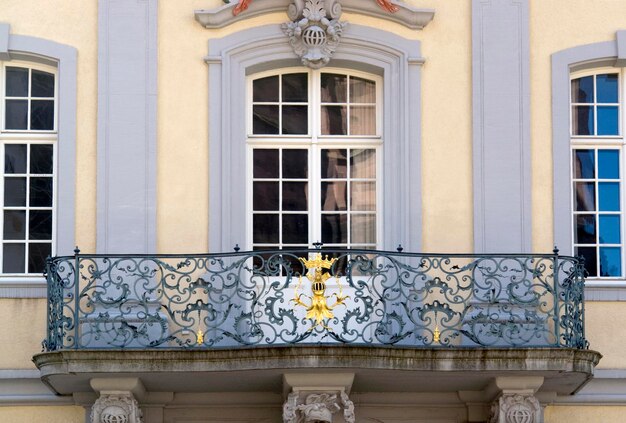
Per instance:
{"type": "Point", "coordinates": [314, 31]}
{"type": "Point", "coordinates": [116, 407]}
{"type": "Point", "coordinates": [516, 408]}
{"type": "Point", "coordinates": [317, 407]}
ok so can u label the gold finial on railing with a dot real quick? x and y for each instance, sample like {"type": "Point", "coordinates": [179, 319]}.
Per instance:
{"type": "Point", "coordinates": [436, 334]}
{"type": "Point", "coordinates": [200, 337]}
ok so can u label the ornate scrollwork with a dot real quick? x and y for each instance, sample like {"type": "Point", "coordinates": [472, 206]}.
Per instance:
{"type": "Point", "coordinates": [261, 298]}
{"type": "Point", "coordinates": [314, 31]}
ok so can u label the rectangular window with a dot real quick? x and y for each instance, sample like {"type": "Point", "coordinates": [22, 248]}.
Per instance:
{"type": "Point", "coordinates": [28, 156]}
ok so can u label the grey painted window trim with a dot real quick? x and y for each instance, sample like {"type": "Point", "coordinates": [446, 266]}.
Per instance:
{"type": "Point", "coordinates": [406, 15]}
{"type": "Point", "coordinates": [64, 57]}
{"type": "Point", "coordinates": [563, 63]}
{"type": "Point", "coordinates": [372, 50]}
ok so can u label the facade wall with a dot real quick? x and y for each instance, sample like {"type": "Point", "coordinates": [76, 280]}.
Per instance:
{"type": "Point", "coordinates": [183, 104]}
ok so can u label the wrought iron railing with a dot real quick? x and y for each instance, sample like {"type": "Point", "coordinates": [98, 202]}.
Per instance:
{"type": "Point", "coordinates": [327, 296]}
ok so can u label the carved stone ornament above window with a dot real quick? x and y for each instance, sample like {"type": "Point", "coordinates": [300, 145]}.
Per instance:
{"type": "Point", "coordinates": [315, 30]}
{"type": "Point", "coordinates": [389, 10]}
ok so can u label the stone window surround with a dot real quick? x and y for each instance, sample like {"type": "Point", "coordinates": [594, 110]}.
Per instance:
{"type": "Point", "coordinates": [63, 57]}
{"type": "Point", "coordinates": [371, 50]}
{"type": "Point", "coordinates": [564, 62]}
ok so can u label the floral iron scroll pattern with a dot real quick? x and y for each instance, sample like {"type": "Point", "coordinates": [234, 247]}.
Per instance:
{"type": "Point", "coordinates": [243, 5]}
{"type": "Point", "coordinates": [247, 298]}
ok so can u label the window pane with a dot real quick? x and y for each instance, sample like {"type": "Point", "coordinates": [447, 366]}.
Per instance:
{"type": "Point", "coordinates": [334, 88]}
{"type": "Point", "coordinates": [295, 87]}
{"type": "Point", "coordinates": [37, 254]}
{"type": "Point", "coordinates": [43, 84]}
{"type": "Point", "coordinates": [15, 158]}
{"type": "Point", "coordinates": [363, 229]}
{"type": "Point", "coordinates": [334, 121]}
{"type": "Point", "coordinates": [610, 261]}
{"type": "Point", "coordinates": [610, 229]}
{"type": "Point", "coordinates": [16, 114]}
{"type": "Point", "coordinates": [585, 196]}
{"type": "Point", "coordinates": [13, 260]}
{"type": "Point", "coordinates": [584, 164]}
{"type": "Point", "coordinates": [608, 120]}
{"type": "Point", "coordinates": [295, 120]}
{"type": "Point", "coordinates": [362, 120]}
{"type": "Point", "coordinates": [40, 224]}
{"type": "Point", "coordinates": [265, 163]}
{"type": "Point", "coordinates": [334, 164]}
{"type": "Point", "coordinates": [582, 120]}
{"type": "Point", "coordinates": [17, 82]}
{"type": "Point", "coordinates": [42, 115]}
{"type": "Point", "coordinates": [15, 192]}
{"type": "Point", "coordinates": [334, 228]}
{"type": "Point", "coordinates": [41, 192]}
{"type": "Point", "coordinates": [608, 164]}
{"type": "Point", "coordinates": [265, 228]}
{"type": "Point", "coordinates": [608, 193]}
{"type": "Point", "coordinates": [265, 89]}
{"type": "Point", "coordinates": [582, 90]}
{"type": "Point", "coordinates": [362, 196]}
{"type": "Point", "coordinates": [41, 159]}
{"type": "Point", "coordinates": [295, 196]}
{"type": "Point", "coordinates": [334, 196]}
{"type": "Point", "coordinates": [295, 163]}
{"type": "Point", "coordinates": [14, 224]}
{"type": "Point", "coordinates": [363, 163]}
{"type": "Point", "coordinates": [265, 196]}
{"type": "Point", "coordinates": [295, 229]}
{"type": "Point", "coordinates": [591, 263]}
{"type": "Point", "coordinates": [362, 90]}
{"type": "Point", "coordinates": [265, 120]}
{"type": "Point", "coordinates": [607, 88]}
{"type": "Point", "coordinates": [585, 229]}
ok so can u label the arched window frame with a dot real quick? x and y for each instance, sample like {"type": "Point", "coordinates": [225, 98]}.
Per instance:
{"type": "Point", "coordinates": [314, 142]}
{"type": "Point", "coordinates": [398, 60]}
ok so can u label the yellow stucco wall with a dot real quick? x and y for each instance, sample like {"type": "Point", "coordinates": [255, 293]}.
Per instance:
{"type": "Point", "coordinates": [21, 338]}
{"type": "Point", "coordinates": [42, 414]}
{"type": "Point", "coordinates": [71, 22]}
{"type": "Point", "coordinates": [605, 334]}
{"type": "Point", "coordinates": [183, 128]}
{"type": "Point", "coordinates": [585, 414]}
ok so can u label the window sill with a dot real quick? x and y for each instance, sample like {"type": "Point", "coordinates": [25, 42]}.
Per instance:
{"type": "Point", "coordinates": [600, 290]}
{"type": "Point", "coordinates": [27, 286]}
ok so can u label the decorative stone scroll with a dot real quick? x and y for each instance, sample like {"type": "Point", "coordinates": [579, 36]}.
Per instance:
{"type": "Point", "coordinates": [317, 407]}
{"type": "Point", "coordinates": [314, 31]}
{"type": "Point", "coordinates": [516, 408]}
{"type": "Point", "coordinates": [116, 407]}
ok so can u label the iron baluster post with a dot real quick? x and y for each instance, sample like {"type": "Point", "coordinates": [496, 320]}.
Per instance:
{"type": "Point", "coordinates": [76, 295]}
{"type": "Point", "coordinates": [557, 314]}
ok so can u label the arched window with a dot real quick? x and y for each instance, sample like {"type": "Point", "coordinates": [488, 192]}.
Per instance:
{"type": "Point", "coordinates": [314, 158]}
{"type": "Point", "coordinates": [597, 177]}
{"type": "Point", "coordinates": [28, 145]}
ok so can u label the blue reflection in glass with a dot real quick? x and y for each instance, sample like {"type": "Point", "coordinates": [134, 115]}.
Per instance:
{"type": "Point", "coordinates": [589, 254]}
{"type": "Point", "coordinates": [607, 88]}
{"type": "Point", "coordinates": [584, 164]}
{"type": "Point", "coordinates": [608, 120]}
{"type": "Point", "coordinates": [609, 229]}
{"type": "Point", "coordinates": [608, 164]}
{"type": "Point", "coordinates": [610, 261]}
{"type": "Point", "coordinates": [609, 196]}
{"type": "Point", "coordinates": [582, 90]}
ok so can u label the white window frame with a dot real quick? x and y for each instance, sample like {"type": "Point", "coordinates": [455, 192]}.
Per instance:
{"type": "Point", "coordinates": [600, 142]}
{"type": "Point", "coordinates": [28, 137]}
{"type": "Point", "coordinates": [314, 142]}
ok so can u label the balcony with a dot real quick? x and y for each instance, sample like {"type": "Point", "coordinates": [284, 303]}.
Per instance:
{"type": "Point", "coordinates": [394, 319]}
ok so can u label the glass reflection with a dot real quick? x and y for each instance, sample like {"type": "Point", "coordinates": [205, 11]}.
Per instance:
{"type": "Point", "coordinates": [610, 232]}
{"type": "Point", "coordinates": [608, 193]}
{"type": "Point", "coordinates": [610, 261]}
{"type": "Point", "coordinates": [582, 120]}
{"type": "Point", "coordinates": [608, 164]}
{"type": "Point", "coordinates": [585, 231]}
{"type": "Point", "coordinates": [584, 164]}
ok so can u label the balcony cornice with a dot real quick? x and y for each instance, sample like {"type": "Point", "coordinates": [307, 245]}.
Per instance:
{"type": "Point", "coordinates": [565, 370]}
